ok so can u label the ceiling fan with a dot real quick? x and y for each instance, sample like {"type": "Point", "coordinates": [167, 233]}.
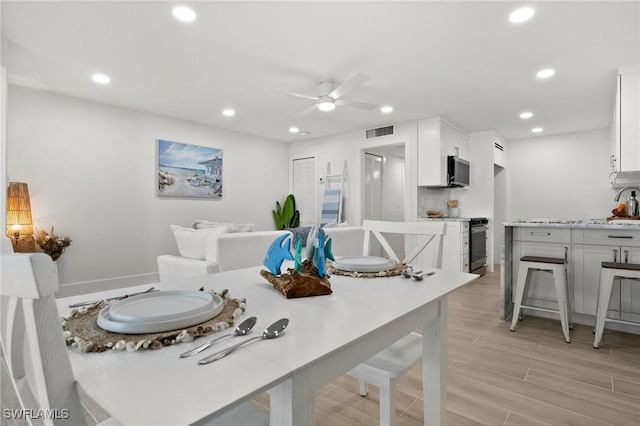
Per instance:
{"type": "Point", "coordinates": [330, 96]}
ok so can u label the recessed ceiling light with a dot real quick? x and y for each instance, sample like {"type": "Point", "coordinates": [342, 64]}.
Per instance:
{"type": "Point", "coordinates": [228, 112]}
{"type": "Point", "coordinates": [545, 73]}
{"type": "Point", "coordinates": [184, 14]}
{"type": "Point", "coordinates": [293, 130]}
{"type": "Point", "coordinates": [526, 115]}
{"type": "Point", "coordinates": [304, 134]}
{"type": "Point", "coordinates": [101, 78]}
{"type": "Point", "coordinates": [386, 109]}
{"type": "Point", "coordinates": [326, 105]}
{"type": "Point", "coordinates": [521, 15]}
{"type": "Point", "coordinates": [537, 129]}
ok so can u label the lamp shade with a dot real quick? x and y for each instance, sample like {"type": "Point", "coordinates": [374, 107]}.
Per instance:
{"type": "Point", "coordinates": [18, 210]}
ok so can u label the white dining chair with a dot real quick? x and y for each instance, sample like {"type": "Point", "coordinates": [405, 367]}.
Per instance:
{"type": "Point", "coordinates": [36, 354]}
{"type": "Point", "coordinates": [387, 366]}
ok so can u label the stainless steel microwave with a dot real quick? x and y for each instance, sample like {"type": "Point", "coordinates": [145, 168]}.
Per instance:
{"type": "Point", "coordinates": [457, 171]}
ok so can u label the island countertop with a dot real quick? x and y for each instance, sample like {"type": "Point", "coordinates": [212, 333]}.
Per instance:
{"type": "Point", "coordinates": [575, 224]}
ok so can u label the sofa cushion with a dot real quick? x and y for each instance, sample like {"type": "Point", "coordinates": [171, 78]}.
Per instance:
{"type": "Point", "coordinates": [231, 227]}
{"type": "Point", "coordinates": [192, 243]}
{"type": "Point", "coordinates": [241, 250]}
{"type": "Point", "coordinates": [174, 268]}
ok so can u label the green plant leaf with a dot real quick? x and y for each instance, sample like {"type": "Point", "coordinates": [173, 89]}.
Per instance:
{"type": "Point", "coordinates": [288, 209]}
{"type": "Point", "coordinates": [278, 220]}
{"type": "Point", "coordinates": [295, 220]}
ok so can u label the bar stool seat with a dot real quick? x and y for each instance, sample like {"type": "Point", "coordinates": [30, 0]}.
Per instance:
{"type": "Point", "coordinates": [608, 273]}
{"type": "Point", "coordinates": [555, 265]}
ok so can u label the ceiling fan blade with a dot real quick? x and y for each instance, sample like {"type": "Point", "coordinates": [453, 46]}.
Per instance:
{"type": "Point", "coordinates": [307, 111]}
{"type": "Point", "coordinates": [356, 104]}
{"type": "Point", "coordinates": [349, 85]}
{"type": "Point", "coordinates": [297, 95]}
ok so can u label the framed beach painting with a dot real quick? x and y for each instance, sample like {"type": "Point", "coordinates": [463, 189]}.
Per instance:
{"type": "Point", "coordinates": [189, 170]}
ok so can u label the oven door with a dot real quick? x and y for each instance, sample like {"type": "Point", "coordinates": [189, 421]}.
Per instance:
{"type": "Point", "coordinates": [478, 250]}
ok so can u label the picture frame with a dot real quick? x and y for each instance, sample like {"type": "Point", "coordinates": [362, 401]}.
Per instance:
{"type": "Point", "coordinates": [185, 170]}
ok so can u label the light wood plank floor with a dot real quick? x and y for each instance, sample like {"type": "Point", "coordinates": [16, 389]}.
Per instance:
{"type": "Point", "coordinates": [495, 377]}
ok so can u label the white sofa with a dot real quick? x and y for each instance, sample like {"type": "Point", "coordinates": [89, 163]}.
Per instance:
{"type": "Point", "coordinates": [221, 251]}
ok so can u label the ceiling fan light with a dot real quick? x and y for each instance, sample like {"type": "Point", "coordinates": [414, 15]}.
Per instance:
{"type": "Point", "coordinates": [326, 105]}
{"type": "Point", "coordinates": [184, 14]}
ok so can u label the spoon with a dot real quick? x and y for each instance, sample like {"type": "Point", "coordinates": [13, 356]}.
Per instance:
{"type": "Point", "coordinates": [407, 274]}
{"type": "Point", "coordinates": [421, 276]}
{"type": "Point", "coordinates": [241, 330]}
{"type": "Point", "coordinates": [273, 331]}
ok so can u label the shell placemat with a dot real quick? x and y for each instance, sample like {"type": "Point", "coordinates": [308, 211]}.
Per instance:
{"type": "Point", "coordinates": [81, 329]}
{"type": "Point", "coordinates": [399, 268]}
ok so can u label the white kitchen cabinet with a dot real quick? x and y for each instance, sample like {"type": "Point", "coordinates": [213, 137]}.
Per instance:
{"type": "Point", "coordinates": [455, 248]}
{"type": "Point", "coordinates": [436, 140]}
{"type": "Point", "coordinates": [625, 129]}
{"type": "Point", "coordinates": [545, 242]}
{"type": "Point", "coordinates": [592, 247]}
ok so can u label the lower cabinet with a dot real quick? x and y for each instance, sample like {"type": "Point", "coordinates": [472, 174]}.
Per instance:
{"type": "Point", "coordinates": [585, 250]}
{"type": "Point", "coordinates": [455, 248]}
{"type": "Point", "coordinates": [625, 295]}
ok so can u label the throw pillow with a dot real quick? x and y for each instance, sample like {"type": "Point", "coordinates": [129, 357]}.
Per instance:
{"type": "Point", "coordinates": [192, 243]}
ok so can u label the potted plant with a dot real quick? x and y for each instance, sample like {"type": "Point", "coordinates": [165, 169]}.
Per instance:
{"type": "Point", "coordinates": [286, 216]}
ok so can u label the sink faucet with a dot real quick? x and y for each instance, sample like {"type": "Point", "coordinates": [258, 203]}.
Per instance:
{"type": "Point", "coordinates": [624, 189]}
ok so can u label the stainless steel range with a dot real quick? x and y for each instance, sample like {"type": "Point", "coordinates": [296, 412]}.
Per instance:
{"type": "Point", "coordinates": [478, 245]}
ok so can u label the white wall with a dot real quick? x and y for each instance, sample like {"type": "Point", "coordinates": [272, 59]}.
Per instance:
{"type": "Point", "coordinates": [91, 170]}
{"type": "Point", "coordinates": [350, 147]}
{"type": "Point", "coordinates": [477, 199]}
{"type": "Point", "coordinates": [3, 149]}
{"type": "Point", "coordinates": [499, 208]}
{"type": "Point", "coordinates": [561, 176]}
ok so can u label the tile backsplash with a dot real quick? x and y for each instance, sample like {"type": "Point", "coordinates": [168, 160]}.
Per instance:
{"type": "Point", "coordinates": [432, 199]}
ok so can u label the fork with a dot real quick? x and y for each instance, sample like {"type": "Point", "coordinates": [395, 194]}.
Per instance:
{"type": "Point", "coordinates": [95, 302]}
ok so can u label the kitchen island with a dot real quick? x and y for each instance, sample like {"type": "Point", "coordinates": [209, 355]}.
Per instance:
{"type": "Point", "coordinates": [584, 245]}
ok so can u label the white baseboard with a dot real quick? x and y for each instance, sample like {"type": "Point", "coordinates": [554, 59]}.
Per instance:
{"type": "Point", "coordinates": [74, 289]}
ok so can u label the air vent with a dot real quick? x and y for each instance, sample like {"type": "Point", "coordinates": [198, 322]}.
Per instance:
{"type": "Point", "coordinates": [497, 145]}
{"type": "Point", "coordinates": [380, 131]}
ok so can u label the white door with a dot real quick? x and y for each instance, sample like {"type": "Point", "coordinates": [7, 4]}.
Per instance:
{"type": "Point", "coordinates": [384, 187]}
{"type": "Point", "coordinates": [372, 186]}
{"type": "Point", "coordinates": [304, 189]}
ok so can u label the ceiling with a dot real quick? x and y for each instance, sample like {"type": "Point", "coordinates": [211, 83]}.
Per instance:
{"type": "Point", "coordinates": [462, 60]}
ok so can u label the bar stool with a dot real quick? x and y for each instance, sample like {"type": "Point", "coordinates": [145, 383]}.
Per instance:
{"type": "Point", "coordinates": [556, 265]}
{"type": "Point", "coordinates": [609, 272]}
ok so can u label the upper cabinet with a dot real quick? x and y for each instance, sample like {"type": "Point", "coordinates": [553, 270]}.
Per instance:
{"type": "Point", "coordinates": [436, 140]}
{"type": "Point", "coordinates": [625, 129]}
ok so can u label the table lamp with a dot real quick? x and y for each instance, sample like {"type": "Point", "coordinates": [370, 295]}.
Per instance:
{"type": "Point", "coordinates": [19, 222]}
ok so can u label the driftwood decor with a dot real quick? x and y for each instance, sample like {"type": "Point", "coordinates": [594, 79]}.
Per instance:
{"type": "Point", "coordinates": [305, 283]}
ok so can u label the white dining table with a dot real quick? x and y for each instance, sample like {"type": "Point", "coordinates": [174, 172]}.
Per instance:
{"type": "Point", "coordinates": [326, 337]}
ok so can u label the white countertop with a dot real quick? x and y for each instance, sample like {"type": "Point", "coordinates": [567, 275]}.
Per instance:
{"type": "Point", "coordinates": [599, 224]}
{"type": "Point", "coordinates": [452, 219]}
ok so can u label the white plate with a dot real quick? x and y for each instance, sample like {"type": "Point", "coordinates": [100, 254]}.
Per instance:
{"type": "Point", "coordinates": [158, 324]}
{"type": "Point", "coordinates": [161, 306]}
{"type": "Point", "coordinates": [364, 264]}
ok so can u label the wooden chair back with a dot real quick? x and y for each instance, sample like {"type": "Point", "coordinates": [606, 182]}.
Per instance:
{"type": "Point", "coordinates": [430, 233]}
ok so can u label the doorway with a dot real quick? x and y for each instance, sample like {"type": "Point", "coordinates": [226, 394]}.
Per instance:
{"type": "Point", "coordinates": [383, 189]}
